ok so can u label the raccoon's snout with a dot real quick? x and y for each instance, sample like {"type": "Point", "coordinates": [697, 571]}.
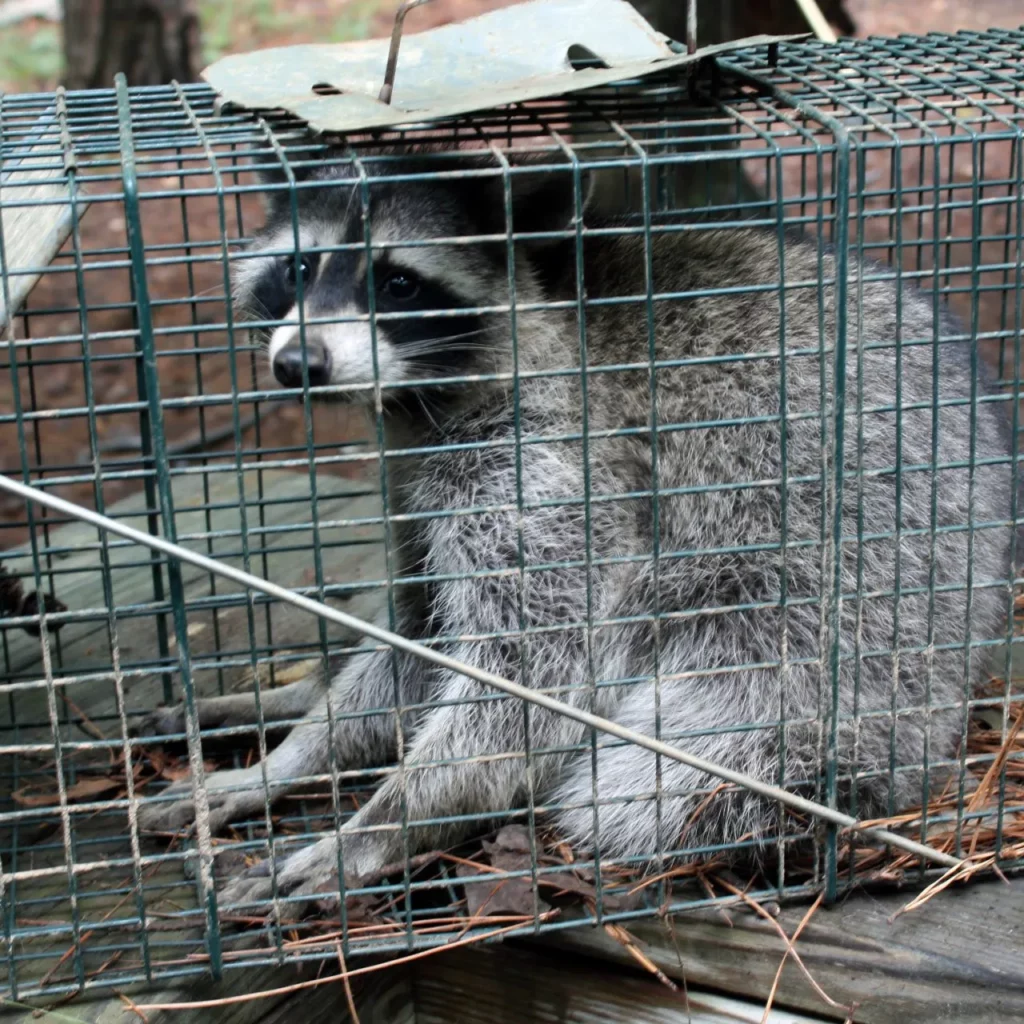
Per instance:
{"type": "Point", "coordinates": [288, 365]}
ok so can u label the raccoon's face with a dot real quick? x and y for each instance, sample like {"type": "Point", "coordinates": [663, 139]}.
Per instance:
{"type": "Point", "coordinates": [420, 304]}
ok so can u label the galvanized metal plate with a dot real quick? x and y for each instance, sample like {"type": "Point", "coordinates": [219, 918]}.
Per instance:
{"type": "Point", "coordinates": [506, 56]}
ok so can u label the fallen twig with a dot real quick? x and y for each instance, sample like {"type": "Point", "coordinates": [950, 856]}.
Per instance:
{"type": "Point", "coordinates": [790, 950]}
{"type": "Point", "coordinates": [349, 998]}
{"type": "Point", "coordinates": [785, 956]}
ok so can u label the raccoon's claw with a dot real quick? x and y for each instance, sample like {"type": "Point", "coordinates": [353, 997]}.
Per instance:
{"type": "Point", "coordinates": [162, 721]}
{"type": "Point", "coordinates": [305, 878]}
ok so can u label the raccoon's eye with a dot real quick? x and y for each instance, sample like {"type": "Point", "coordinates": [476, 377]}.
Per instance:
{"type": "Point", "coordinates": [293, 267]}
{"type": "Point", "coordinates": [402, 287]}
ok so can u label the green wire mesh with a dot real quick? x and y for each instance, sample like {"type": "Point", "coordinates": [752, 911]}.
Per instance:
{"type": "Point", "coordinates": [130, 389]}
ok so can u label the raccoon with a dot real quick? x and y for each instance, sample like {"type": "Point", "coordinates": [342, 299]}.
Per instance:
{"type": "Point", "coordinates": [651, 539]}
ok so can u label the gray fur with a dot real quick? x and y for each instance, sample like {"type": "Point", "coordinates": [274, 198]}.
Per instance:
{"type": "Point", "coordinates": [719, 551]}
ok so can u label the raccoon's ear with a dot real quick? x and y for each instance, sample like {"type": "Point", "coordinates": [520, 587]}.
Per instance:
{"type": "Point", "coordinates": [271, 174]}
{"type": "Point", "coordinates": [545, 200]}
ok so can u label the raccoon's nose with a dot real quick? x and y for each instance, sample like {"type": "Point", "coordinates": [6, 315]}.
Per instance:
{"type": "Point", "coordinates": [288, 365]}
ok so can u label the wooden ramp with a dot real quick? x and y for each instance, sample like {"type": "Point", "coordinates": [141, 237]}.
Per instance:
{"type": "Point", "coordinates": [958, 959]}
{"type": "Point", "coordinates": [209, 519]}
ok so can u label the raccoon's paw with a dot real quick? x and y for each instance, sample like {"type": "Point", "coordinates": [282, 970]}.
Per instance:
{"type": "Point", "coordinates": [212, 712]}
{"type": "Point", "coordinates": [162, 722]}
{"type": "Point", "coordinates": [231, 795]}
{"type": "Point", "coordinates": [305, 878]}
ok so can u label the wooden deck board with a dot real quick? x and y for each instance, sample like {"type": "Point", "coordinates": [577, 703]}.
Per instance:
{"type": "Point", "coordinates": [513, 984]}
{"type": "Point", "coordinates": [36, 218]}
{"type": "Point", "coordinates": [958, 959]}
{"type": "Point", "coordinates": [507, 985]}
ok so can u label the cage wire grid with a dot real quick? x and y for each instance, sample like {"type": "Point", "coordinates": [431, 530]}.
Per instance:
{"type": "Point", "coordinates": [134, 390]}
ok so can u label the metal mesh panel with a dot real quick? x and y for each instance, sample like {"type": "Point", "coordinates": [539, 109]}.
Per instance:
{"type": "Point", "coordinates": [133, 388]}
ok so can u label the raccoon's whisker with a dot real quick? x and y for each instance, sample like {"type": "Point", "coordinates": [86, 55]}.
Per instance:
{"type": "Point", "coordinates": [252, 308]}
{"type": "Point", "coordinates": [204, 293]}
{"type": "Point", "coordinates": [453, 344]}
{"type": "Point", "coordinates": [351, 200]}
{"type": "Point", "coordinates": [425, 404]}
{"type": "Point", "coordinates": [452, 341]}
{"type": "Point", "coordinates": [449, 337]}
{"type": "Point", "coordinates": [260, 338]}
{"type": "Point", "coordinates": [422, 370]}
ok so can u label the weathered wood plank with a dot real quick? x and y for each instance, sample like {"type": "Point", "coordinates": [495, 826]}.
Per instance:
{"type": "Point", "coordinates": [509, 985]}
{"type": "Point", "coordinates": [959, 959]}
{"type": "Point", "coordinates": [494, 985]}
{"type": "Point", "coordinates": [323, 1005]}
{"type": "Point", "coordinates": [35, 212]}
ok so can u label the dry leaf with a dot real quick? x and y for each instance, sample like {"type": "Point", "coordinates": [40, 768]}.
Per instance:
{"type": "Point", "coordinates": [510, 851]}
{"type": "Point", "coordinates": [84, 789]}
{"type": "Point", "coordinates": [174, 772]}
{"type": "Point", "coordinates": [498, 895]}
{"type": "Point", "coordinates": [173, 769]}
{"type": "Point", "coordinates": [511, 839]}
{"type": "Point", "coordinates": [296, 671]}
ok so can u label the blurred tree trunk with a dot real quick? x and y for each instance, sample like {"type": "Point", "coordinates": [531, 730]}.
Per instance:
{"type": "Point", "coordinates": [152, 41]}
{"type": "Point", "coordinates": [721, 20]}
{"type": "Point", "coordinates": [699, 184]}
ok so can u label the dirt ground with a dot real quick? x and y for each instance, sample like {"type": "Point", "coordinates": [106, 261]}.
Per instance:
{"type": "Point", "coordinates": [894, 17]}
{"type": "Point", "coordinates": [195, 360]}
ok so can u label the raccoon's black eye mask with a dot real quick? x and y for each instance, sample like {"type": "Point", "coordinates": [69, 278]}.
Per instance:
{"type": "Point", "coordinates": [397, 289]}
{"type": "Point", "coordinates": [398, 285]}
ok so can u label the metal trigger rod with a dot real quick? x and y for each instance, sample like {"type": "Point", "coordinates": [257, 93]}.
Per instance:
{"type": "Point", "coordinates": [769, 792]}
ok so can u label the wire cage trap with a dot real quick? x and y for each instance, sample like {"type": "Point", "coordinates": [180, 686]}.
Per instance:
{"type": "Point", "coordinates": [136, 387]}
